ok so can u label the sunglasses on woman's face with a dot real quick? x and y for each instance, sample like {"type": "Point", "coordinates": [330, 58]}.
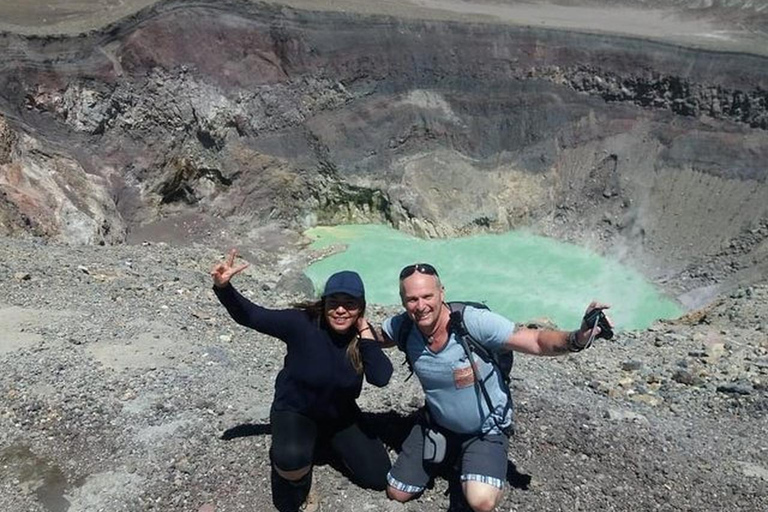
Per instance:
{"type": "Point", "coordinates": [421, 268]}
{"type": "Point", "coordinates": [347, 303]}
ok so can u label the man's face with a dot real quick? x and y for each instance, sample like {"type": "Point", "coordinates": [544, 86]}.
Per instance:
{"type": "Point", "coordinates": [422, 297]}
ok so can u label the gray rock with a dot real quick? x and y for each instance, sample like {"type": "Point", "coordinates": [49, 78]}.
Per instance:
{"type": "Point", "coordinates": [736, 388]}
{"type": "Point", "coordinates": [631, 366]}
{"type": "Point", "coordinates": [686, 377]}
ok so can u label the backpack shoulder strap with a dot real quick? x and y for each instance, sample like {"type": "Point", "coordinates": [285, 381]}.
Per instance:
{"type": "Point", "coordinates": [460, 327]}
{"type": "Point", "coordinates": [401, 338]}
{"type": "Point", "coordinates": [502, 362]}
{"type": "Point", "coordinates": [471, 345]}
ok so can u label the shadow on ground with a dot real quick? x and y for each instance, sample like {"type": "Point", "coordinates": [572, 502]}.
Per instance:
{"type": "Point", "coordinates": [392, 428]}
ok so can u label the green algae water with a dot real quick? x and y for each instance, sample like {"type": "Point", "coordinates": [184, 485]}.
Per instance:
{"type": "Point", "coordinates": [520, 275]}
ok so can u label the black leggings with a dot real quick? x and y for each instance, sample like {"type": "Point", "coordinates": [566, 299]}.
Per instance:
{"type": "Point", "coordinates": [294, 440]}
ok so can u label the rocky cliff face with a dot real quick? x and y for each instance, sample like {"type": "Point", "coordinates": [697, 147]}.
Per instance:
{"type": "Point", "coordinates": [51, 195]}
{"type": "Point", "coordinates": [263, 113]}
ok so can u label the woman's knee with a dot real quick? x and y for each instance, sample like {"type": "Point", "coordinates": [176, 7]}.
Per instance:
{"type": "Point", "coordinates": [293, 475]}
{"type": "Point", "coordinates": [293, 443]}
{"type": "Point", "coordinates": [291, 458]}
{"type": "Point", "coordinates": [292, 461]}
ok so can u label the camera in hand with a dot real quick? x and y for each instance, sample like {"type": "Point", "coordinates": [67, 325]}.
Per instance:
{"type": "Point", "coordinates": [602, 322]}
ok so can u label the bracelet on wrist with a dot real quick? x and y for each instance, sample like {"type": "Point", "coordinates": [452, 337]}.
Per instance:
{"type": "Point", "coordinates": [374, 334]}
{"type": "Point", "coordinates": [573, 346]}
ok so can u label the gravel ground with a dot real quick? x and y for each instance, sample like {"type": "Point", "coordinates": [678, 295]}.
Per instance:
{"type": "Point", "coordinates": [125, 386]}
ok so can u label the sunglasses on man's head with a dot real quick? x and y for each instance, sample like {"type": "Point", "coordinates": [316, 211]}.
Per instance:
{"type": "Point", "coordinates": [421, 268]}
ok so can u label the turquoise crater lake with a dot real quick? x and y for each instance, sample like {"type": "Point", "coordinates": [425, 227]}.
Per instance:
{"type": "Point", "coordinates": [518, 274]}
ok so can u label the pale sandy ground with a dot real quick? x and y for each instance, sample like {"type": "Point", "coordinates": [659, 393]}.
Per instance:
{"type": "Point", "coordinates": [74, 16]}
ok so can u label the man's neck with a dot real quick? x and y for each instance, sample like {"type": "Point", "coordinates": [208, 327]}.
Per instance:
{"type": "Point", "coordinates": [437, 333]}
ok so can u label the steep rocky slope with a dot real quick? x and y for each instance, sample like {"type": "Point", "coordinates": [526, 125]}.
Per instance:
{"type": "Point", "coordinates": [647, 150]}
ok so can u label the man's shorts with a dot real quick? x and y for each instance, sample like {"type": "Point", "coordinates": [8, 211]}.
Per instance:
{"type": "Point", "coordinates": [483, 459]}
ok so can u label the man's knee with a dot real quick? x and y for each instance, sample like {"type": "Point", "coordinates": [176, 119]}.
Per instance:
{"type": "Point", "coordinates": [482, 504]}
{"type": "Point", "coordinates": [482, 497]}
{"type": "Point", "coordinates": [398, 495]}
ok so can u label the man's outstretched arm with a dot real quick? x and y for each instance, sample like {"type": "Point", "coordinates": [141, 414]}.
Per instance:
{"type": "Point", "coordinates": [546, 342]}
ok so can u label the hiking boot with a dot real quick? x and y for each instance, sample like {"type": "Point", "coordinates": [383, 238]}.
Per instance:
{"type": "Point", "coordinates": [312, 502]}
{"type": "Point", "coordinates": [288, 495]}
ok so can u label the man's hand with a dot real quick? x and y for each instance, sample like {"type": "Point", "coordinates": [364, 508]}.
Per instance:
{"type": "Point", "coordinates": [223, 272]}
{"type": "Point", "coordinates": [587, 333]}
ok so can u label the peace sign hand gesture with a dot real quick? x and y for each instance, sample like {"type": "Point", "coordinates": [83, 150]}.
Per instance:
{"type": "Point", "coordinates": [223, 272]}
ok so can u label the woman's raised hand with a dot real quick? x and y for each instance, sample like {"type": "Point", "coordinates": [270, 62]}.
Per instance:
{"type": "Point", "coordinates": [362, 326]}
{"type": "Point", "coordinates": [223, 272]}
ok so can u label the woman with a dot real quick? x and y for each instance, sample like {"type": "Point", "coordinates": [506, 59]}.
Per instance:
{"type": "Point", "coordinates": [330, 346]}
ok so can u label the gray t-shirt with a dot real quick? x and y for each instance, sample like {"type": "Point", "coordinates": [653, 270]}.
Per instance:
{"type": "Point", "coordinates": [453, 399]}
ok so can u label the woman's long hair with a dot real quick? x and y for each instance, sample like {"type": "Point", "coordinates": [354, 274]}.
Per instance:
{"type": "Point", "coordinates": [316, 311]}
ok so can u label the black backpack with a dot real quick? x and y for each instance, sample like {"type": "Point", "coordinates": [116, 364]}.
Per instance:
{"type": "Point", "coordinates": [501, 363]}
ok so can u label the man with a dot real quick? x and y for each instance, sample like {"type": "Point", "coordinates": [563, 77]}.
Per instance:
{"type": "Point", "coordinates": [474, 423]}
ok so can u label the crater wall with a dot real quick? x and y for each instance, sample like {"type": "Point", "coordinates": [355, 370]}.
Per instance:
{"type": "Point", "coordinates": [257, 113]}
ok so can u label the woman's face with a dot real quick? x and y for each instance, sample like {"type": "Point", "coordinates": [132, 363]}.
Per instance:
{"type": "Point", "coordinates": [342, 311]}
